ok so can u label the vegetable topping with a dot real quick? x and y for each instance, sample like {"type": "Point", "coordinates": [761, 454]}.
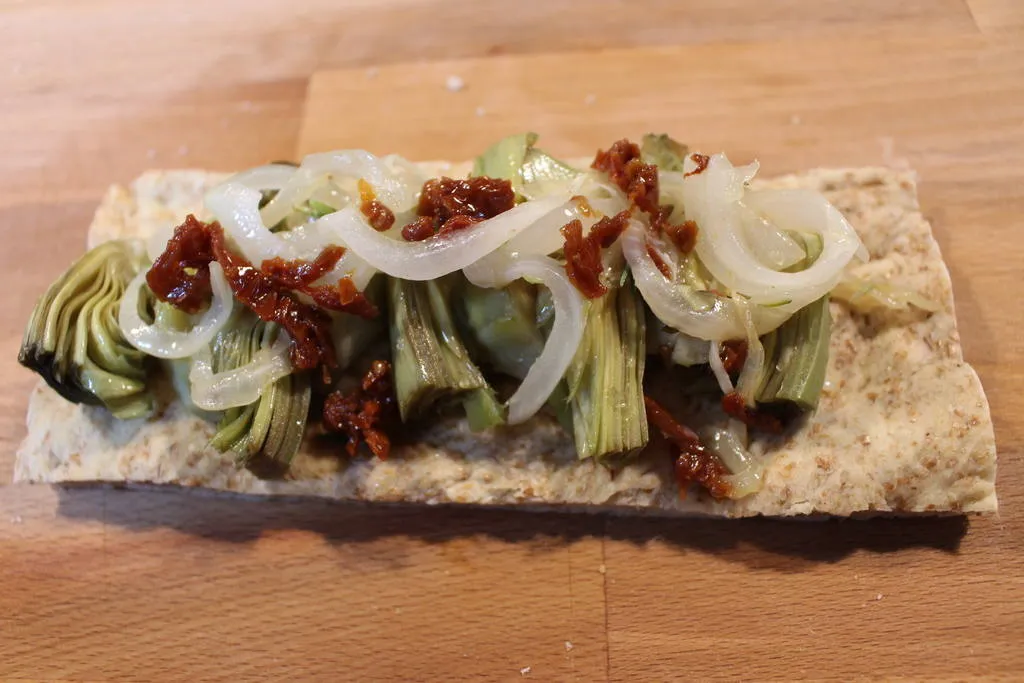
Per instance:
{"type": "Point", "coordinates": [363, 413]}
{"type": "Point", "coordinates": [560, 279]}
{"type": "Point", "coordinates": [583, 254]}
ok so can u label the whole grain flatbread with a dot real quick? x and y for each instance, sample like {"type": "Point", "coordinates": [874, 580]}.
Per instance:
{"type": "Point", "coordinates": [903, 423]}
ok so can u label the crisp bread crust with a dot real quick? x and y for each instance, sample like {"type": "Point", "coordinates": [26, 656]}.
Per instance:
{"type": "Point", "coordinates": [903, 424]}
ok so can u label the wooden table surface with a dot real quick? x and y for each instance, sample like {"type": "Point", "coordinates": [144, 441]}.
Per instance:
{"type": "Point", "coordinates": [115, 585]}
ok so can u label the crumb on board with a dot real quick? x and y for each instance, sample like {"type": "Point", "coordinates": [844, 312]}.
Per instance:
{"type": "Point", "coordinates": [454, 83]}
{"type": "Point", "coordinates": [602, 569]}
{"type": "Point", "coordinates": [480, 111]}
{"type": "Point", "coordinates": [525, 671]}
{"type": "Point", "coordinates": [568, 646]}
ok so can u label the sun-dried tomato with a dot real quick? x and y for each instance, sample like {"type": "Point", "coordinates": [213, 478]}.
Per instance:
{"type": "Point", "coordinates": [456, 223]}
{"type": "Point", "coordinates": [342, 297]}
{"type": "Point", "coordinates": [625, 167]}
{"type": "Point", "coordinates": [702, 163]}
{"type": "Point", "coordinates": [479, 197]}
{"type": "Point", "coordinates": [269, 299]}
{"type": "Point", "coordinates": [708, 472]}
{"type": "Point", "coordinates": [299, 272]}
{"type": "Point", "coordinates": [364, 413]}
{"type": "Point", "coordinates": [181, 274]}
{"type": "Point", "coordinates": [659, 262]}
{"type": "Point", "coordinates": [693, 462]}
{"type": "Point", "coordinates": [419, 230]}
{"type": "Point", "coordinates": [380, 217]}
{"type": "Point", "coordinates": [733, 355]}
{"type": "Point", "coordinates": [683, 235]}
{"type": "Point", "coordinates": [447, 205]}
{"type": "Point", "coordinates": [615, 162]}
{"type": "Point", "coordinates": [607, 230]}
{"type": "Point", "coordinates": [583, 262]}
{"type": "Point", "coordinates": [643, 186]}
{"type": "Point", "coordinates": [734, 405]}
{"type": "Point", "coordinates": [267, 291]}
{"type": "Point", "coordinates": [299, 275]}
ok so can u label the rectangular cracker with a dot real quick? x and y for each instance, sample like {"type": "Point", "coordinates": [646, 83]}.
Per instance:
{"type": "Point", "coordinates": [903, 424]}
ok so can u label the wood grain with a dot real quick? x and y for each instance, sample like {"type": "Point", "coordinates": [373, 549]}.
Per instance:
{"type": "Point", "coordinates": [113, 585]}
{"type": "Point", "coordinates": [820, 601]}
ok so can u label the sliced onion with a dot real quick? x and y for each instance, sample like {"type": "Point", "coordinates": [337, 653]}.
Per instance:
{"type": "Point", "coordinates": [406, 171]}
{"type": "Point", "coordinates": [747, 471]}
{"type": "Point", "coordinates": [316, 169]}
{"type": "Point", "coordinates": [300, 186]}
{"type": "Point", "coordinates": [712, 200]}
{"type": "Point", "coordinates": [237, 209]}
{"type": "Point", "coordinates": [442, 254]}
{"type": "Point", "coordinates": [268, 177]}
{"type": "Point", "coordinates": [750, 376]}
{"type": "Point", "coordinates": [864, 295]}
{"type": "Point", "coordinates": [240, 386]}
{"type": "Point", "coordinates": [698, 314]}
{"type": "Point", "coordinates": [545, 235]}
{"type": "Point", "coordinates": [566, 332]}
{"type": "Point", "coordinates": [162, 343]}
{"type": "Point", "coordinates": [718, 367]}
{"type": "Point", "coordinates": [390, 187]}
{"type": "Point", "coordinates": [773, 247]}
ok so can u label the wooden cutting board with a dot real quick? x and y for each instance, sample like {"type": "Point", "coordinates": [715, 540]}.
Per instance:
{"type": "Point", "coordinates": [110, 585]}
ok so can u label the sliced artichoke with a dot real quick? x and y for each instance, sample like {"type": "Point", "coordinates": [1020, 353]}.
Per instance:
{"type": "Point", "coordinates": [529, 169]}
{"type": "Point", "coordinates": [664, 152]}
{"type": "Point", "coordinates": [431, 364]}
{"type": "Point", "coordinates": [264, 435]}
{"type": "Point", "coordinates": [73, 339]}
{"type": "Point", "coordinates": [605, 379]}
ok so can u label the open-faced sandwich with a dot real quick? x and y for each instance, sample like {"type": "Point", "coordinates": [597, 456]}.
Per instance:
{"type": "Point", "coordinates": [650, 330]}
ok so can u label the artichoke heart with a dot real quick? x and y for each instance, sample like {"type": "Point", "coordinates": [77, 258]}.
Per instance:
{"type": "Point", "coordinates": [266, 434]}
{"type": "Point", "coordinates": [73, 339]}
{"type": "Point", "coordinates": [664, 152]}
{"type": "Point", "coordinates": [605, 379]}
{"type": "Point", "coordinates": [431, 363]}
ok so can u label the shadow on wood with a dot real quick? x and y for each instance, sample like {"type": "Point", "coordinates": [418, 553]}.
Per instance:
{"type": "Point", "coordinates": [778, 545]}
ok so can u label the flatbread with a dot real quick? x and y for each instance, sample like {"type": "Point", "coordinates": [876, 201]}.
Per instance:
{"type": "Point", "coordinates": [903, 424]}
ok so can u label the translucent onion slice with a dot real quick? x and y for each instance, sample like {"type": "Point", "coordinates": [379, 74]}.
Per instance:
{"type": "Point", "coordinates": [718, 367]}
{"type": "Point", "coordinates": [750, 376]}
{"type": "Point", "coordinates": [547, 371]}
{"type": "Point", "coordinates": [442, 254]}
{"type": "Point", "coordinates": [728, 444]}
{"type": "Point", "coordinates": [240, 386]}
{"type": "Point", "coordinates": [390, 183]}
{"type": "Point", "coordinates": [864, 295]}
{"type": "Point", "coordinates": [163, 343]}
{"type": "Point", "coordinates": [773, 247]}
{"type": "Point", "coordinates": [268, 177]}
{"type": "Point", "coordinates": [237, 209]}
{"type": "Point", "coordinates": [698, 314]}
{"type": "Point", "coordinates": [545, 237]}
{"type": "Point", "coordinates": [712, 200]}
{"type": "Point", "coordinates": [299, 188]}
